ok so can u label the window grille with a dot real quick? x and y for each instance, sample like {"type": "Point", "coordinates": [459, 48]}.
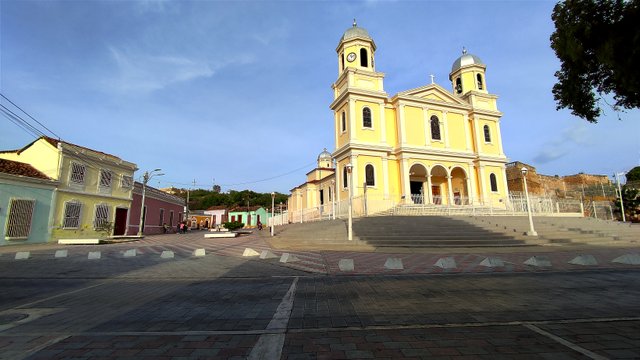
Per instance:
{"type": "Point", "coordinates": [126, 182]}
{"type": "Point", "coordinates": [105, 178]}
{"type": "Point", "coordinates": [487, 134]}
{"type": "Point", "coordinates": [102, 216]}
{"type": "Point", "coordinates": [435, 128]}
{"type": "Point", "coordinates": [77, 173]}
{"type": "Point", "coordinates": [72, 215]}
{"type": "Point", "coordinates": [19, 219]}
{"type": "Point", "coordinates": [369, 175]}
{"type": "Point", "coordinates": [366, 117]}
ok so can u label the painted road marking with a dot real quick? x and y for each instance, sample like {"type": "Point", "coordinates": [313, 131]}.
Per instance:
{"type": "Point", "coordinates": [566, 343]}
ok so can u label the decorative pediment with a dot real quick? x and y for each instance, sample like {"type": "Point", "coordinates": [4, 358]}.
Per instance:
{"type": "Point", "coordinates": [433, 92]}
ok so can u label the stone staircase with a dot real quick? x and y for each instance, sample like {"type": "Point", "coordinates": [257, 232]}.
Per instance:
{"type": "Point", "coordinates": [326, 231]}
{"type": "Point", "coordinates": [431, 231]}
{"type": "Point", "coordinates": [564, 230]}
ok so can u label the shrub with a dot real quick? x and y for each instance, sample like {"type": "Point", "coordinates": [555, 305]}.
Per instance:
{"type": "Point", "coordinates": [233, 225]}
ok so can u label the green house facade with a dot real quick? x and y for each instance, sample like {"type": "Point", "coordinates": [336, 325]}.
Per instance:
{"type": "Point", "coordinates": [26, 204]}
{"type": "Point", "coordinates": [249, 216]}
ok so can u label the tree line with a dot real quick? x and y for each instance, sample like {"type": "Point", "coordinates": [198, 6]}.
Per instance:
{"type": "Point", "coordinates": [201, 199]}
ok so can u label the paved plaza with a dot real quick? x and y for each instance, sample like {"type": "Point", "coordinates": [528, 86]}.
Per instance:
{"type": "Point", "coordinates": [168, 300]}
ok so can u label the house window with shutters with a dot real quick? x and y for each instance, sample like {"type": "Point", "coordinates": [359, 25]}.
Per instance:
{"type": "Point", "coordinates": [102, 216]}
{"type": "Point", "coordinates": [105, 179]}
{"type": "Point", "coordinates": [78, 172]}
{"type": "Point", "coordinates": [72, 212]}
{"type": "Point", "coordinates": [19, 218]}
{"type": "Point", "coordinates": [126, 182]}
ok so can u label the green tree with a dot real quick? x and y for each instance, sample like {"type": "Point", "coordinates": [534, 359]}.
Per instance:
{"type": "Point", "coordinates": [633, 174]}
{"type": "Point", "coordinates": [631, 201]}
{"type": "Point", "coordinates": [597, 43]}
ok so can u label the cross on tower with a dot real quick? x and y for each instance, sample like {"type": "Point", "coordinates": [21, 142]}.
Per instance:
{"type": "Point", "coordinates": [432, 77]}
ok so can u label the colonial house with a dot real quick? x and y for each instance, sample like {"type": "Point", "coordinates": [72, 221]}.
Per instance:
{"type": "Point", "coordinates": [160, 209]}
{"type": "Point", "coordinates": [26, 199]}
{"type": "Point", "coordinates": [218, 215]}
{"type": "Point", "coordinates": [249, 216]}
{"type": "Point", "coordinates": [93, 197]}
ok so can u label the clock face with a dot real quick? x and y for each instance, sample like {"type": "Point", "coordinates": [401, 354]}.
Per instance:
{"type": "Point", "coordinates": [351, 57]}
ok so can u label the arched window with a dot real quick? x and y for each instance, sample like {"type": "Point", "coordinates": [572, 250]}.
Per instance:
{"type": "Point", "coordinates": [342, 61]}
{"type": "Point", "coordinates": [369, 175]}
{"type": "Point", "coordinates": [487, 134]}
{"type": "Point", "coordinates": [479, 77]}
{"type": "Point", "coordinates": [494, 182]}
{"type": "Point", "coordinates": [458, 86]}
{"type": "Point", "coordinates": [364, 58]}
{"type": "Point", "coordinates": [345, 182]}
{"type": "Point", "coordinates": [435, 128]}
{"type": "Point", "coordinates": [344, 122]}
{"type": "Point", "coordinates": [366, 117]}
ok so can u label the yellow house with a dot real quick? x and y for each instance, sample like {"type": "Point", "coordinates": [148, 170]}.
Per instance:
{"type": "Point", "coordinates": [426, 145]}
{"type": "Point", "coordinates": [94, 188]}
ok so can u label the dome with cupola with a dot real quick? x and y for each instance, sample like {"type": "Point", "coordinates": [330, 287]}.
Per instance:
{"type": "Point", "coordinates": [465, 60]}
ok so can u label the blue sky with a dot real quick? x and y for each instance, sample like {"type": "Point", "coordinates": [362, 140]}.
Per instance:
{"type": "Point", "coordinates": [237, 91]}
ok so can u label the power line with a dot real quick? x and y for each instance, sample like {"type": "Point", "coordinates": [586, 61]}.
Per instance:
{"type": "Point", "coordinates": [32, 118]}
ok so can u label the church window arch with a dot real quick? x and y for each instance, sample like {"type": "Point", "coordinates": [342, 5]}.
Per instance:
{"type": "Point", "coordinates": [435, 128]}
{"type": "Point", "coordinates": [369, 173]}
{"type": "Point", "coordinates": [366, 117]}
{"type": "Point", "coordinates": [344, 122]}
{"type": "Point", "coordinates": [345, 181]}
{"type": "Point", "coordinates": [458, 86]}
{"type": "Point", "coordinates": [479, 78]}
{"type": "Point", "coordinates": [494, 182]}
{"type": "Point", "coordinates": [364, 58]}
{"type": "Point", "coordinates": [487, 134]}
{"type": "Point", "coordinates": [343, 61]}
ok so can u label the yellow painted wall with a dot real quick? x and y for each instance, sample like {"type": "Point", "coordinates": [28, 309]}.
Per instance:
{"type": "Point", "coordinates": [363, 161]}
{"type": "Point", "coordinates": [392, 130]}
{"type": "Point", "coordinates": [436, 143]}
{"type": "Point", "coordinates": [343, 137]}
{"type": "Point", "coordinates": [87, 216]}
{"type": "Point", "coordinates": [489, 147]}
{"type": "Point", "coordinates": [368, 134]}
{"type": "Point", "coordinates": [414, 126]}
{"type": "Point", "coordinates": [457, 138]}
{"type": "Point", "coordinates": [41, 155]}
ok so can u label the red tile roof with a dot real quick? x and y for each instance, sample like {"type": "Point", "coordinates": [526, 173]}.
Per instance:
{"type": "Point", "coordinates": [218, 207]}
{"type": "Point", "coordinates": [21, 169]}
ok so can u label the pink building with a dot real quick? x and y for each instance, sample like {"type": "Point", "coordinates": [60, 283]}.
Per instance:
{"type": "Point", "coordinates": [160, 208]}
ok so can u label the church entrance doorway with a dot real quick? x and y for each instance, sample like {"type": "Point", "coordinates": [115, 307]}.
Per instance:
{"type": "Point", "coordinates": [416, 192]}
{"type": "Point", "coordinates": [439, 188]}
{"type": "Point", "coordinates": [435, 193]}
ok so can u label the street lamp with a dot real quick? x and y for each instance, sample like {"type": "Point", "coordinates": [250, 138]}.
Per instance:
{"type": "Point", "coordinates": [145, 179]}
{"type": "Point", "coordinates": [273, 199]}
{"type": "Point", "coordinates": [620, 193]}
{"type": "Point", "coordinates": [350, 227]}
{"type": "Point", "coordinates": [333, 199]}
{"type": "Point", "coordinates": [532, 231]}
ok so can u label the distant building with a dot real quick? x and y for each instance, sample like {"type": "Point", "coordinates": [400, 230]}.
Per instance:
{"type": "Point", "coordinates": [26, 200]}
{"type": "Point", "coordinates": [249, 216]}
{"type": "Point", "coordinates": [218, 215]}
{"type": "Point", "coordinates": [160, 208]}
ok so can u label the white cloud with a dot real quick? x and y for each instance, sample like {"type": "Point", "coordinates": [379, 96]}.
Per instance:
{"type": "Point", "coordinates": [144, 73]}
{"type": "Point", "coordinates": [571, 138]}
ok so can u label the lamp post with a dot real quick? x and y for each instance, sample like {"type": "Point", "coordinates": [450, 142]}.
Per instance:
{"type": "Point", "coordinates": [620, 193]}
{"type": "Point", "coordinates": [532, 231]}
{"type": "Point", "coordinates": [333, 199]}
{"type": "Point", "coordinates": [145, 179]}
{"type": "Point", "coordinates": [273, 200]}
{"type": "Point", "coordinates": [350, 227]}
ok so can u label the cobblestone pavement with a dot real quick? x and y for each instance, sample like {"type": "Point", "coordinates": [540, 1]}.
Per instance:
{"type": "Point", "coordinates": [224, 306]}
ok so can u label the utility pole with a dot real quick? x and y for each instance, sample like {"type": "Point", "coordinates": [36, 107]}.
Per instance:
{"type": "Point", "coordinates": [187, 207]}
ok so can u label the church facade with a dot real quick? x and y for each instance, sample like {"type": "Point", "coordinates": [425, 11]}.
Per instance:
{"type": "Point", "coordinates": [426, 145]}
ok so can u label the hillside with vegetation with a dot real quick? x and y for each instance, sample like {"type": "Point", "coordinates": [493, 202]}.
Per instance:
{"type": "Point", "coordinates": [201, 199]}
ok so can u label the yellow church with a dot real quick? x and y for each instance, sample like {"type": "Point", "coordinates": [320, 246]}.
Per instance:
{"type": "Point", "coordinates": [427, 146]}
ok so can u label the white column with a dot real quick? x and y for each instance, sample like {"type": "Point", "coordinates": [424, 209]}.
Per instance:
{"type": "Point", "coordinates": [385, 175]}
{"type": "Point", "coordinates": [445, 127]}
{"type": "Point", "coordinates": [481, 182]}
{"type": "Point", "coordinates": [472, 176]}
{"type": "Point", "coordinates": [427, 126]}
{"type": "Point", "coordinates": [383, 125]}
{"type": "Point", "coordinates": [449, 190]}
{"type": "Point", "coordinates": [352, 119]}
{"type": "Point", "coordinates": [404, 178]}
{"type": "Point", "coordinates": [402, 134]}
{"type": "Point", "coordinates": [474, 122]}
{"type": "Point", "coordinates": [467, 136]}
{"type": "Point", "coordinates": [429, 191]}
{"type": "Point", "coordinates": [499, 138]}
{"type": "Point", "coordinates": [354, 173]}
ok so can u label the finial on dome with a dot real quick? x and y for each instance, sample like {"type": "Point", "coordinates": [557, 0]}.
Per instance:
{"type": "Point", "coordinates": [464, 50]}
{"type": "Point", "coordinates": [354, 22]}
